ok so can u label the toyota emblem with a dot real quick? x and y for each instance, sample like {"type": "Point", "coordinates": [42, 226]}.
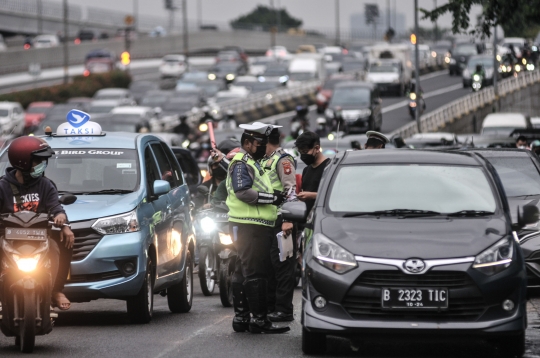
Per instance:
{"type": "Point", "coordinates": [414, 265]}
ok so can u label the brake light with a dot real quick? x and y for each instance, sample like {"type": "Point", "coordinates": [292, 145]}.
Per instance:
{"type": "Point", "coordinates": [86, 73]}
{"type": "Point", "coordinates": [26, 46]}
{"type": "Point", "coordinates": [77, 41]}
{"type": "Point", "coordinates": [344, 51]}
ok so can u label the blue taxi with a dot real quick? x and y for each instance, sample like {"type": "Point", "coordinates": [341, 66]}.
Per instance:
{"type": "Point", "coordinates": [132, 219]}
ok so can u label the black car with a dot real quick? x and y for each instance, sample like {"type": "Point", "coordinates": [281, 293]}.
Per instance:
{"type": "Point", "coordinates": [519, 170]}
{"type": "Point", "coordinates": [412, 242]}
{"type": "Point", "coordinates": [357, 105]}
{"type": "Point", "coordinates": [460, 56]}
{"type": "Point", "coordinates": [226, 71]}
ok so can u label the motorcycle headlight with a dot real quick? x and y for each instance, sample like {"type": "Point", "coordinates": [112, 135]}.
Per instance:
{"type": "Point", "coordinates": [329, 112]}
{"type": "Point", "coordinates": [117, 224]}
{"type": "Point", "coordinates": [26, 264]}
{"type": "Point", "coordinates": [476, 78]}
{"type": "Point", "coordinates": [331, 255]}
{"type": "Point", "coordinates": [496, 258]}
{"type": "Point", "coordinates": [229, 77]}
{"type": "Point", "coordinates": [208, 225]}
{"type": "Point", "coordinates": [225, 239]}
{"type": "Point", "coordinates": [413, 96]}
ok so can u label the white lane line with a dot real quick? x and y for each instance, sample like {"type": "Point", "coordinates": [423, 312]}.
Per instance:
{"type": "Point", "coordinates": [433, 75]}
{"type": "Point", "coordinates": [426, 96]}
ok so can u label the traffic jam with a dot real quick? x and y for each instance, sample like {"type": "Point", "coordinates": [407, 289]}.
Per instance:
{"type": "Point", "coordinates": [159, 209]}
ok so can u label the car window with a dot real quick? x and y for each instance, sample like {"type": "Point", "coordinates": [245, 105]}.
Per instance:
{"type": "Point", "coordinates": [518, 175]}
{"type": "Point", "coordinates": [189, 167]}
{"type": "Point", "coordinates": [152, 173]}
{"type": "Point", "coordinates": [165, 169]}
{"type": "Point", "coordinates": [177, 172]}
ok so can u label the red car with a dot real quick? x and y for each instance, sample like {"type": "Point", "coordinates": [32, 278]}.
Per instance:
{"type": "Point", "coordinates": [36, 113]}
{"type": "Point", "coordinates": [324, 93]}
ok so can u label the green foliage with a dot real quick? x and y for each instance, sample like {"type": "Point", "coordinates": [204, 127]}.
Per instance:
{"type": "Point", "coordinates": [80, 87]}
{"type": "Point", "coordinates": [264, 17]}
{"type": "Point", "coordinates": [516, 17]}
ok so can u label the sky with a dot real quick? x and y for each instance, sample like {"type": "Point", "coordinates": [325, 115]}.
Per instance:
{"type": "Point", "coordinates": [316, 14]}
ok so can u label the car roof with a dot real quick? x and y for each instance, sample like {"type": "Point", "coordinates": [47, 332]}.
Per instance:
{"type": "Point", "coordinates": [355, 84]}
{"type": "Point", "coordinates": [500, 152]}
{"type": "Point", "coordinates": [404, 156]}
{"type": "Point", "coordinates": [6, 104]}
{"type": "Point", "coordinates": [502, 119]}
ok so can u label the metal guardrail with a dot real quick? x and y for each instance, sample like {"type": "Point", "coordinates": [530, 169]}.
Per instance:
{"type": "Point", "coordinates": [433, 121]}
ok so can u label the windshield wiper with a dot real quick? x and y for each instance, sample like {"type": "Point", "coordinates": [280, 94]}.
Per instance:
{"type": "Point", "coordinates": [395, 212]}
{"type": "Point", "coordinates": [471, 213]}
{"type": "Point", "coordinates": [109, 191]}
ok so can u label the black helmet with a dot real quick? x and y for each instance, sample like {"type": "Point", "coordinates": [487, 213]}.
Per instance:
{"type": "Point", "coordinates": [301, 110]}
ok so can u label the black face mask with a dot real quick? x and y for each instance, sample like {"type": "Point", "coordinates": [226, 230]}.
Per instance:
{"type": "Point", "coordinates": [260, 152]}
{"type": "Point", "coordinates": [219, 173]}
{"type": "Point", "coordinates": [307, 158]}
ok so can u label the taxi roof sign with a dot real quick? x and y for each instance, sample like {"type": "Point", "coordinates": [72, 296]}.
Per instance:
{"type": "Point", "coordinates": [78, 123]}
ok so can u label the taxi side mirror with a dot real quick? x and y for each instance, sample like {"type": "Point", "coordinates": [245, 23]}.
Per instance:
{"type": "Point", "coordinates": [161, 187]}
{"type": "Point", "coordinates": [294, 211]}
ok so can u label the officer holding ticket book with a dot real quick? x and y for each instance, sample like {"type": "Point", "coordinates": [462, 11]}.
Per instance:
{"type": "Point", "coordinates": [252, 215]}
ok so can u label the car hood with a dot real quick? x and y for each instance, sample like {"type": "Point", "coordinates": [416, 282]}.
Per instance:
{"type": "Point", "coordinates": [425, 238]}
{"type": "Point", "coordinates": [382, 77]}
{"type": "Point", "coordinates": [98, 206]}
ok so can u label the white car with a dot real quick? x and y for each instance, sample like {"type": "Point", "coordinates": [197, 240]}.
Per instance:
{"type": "Point", "coordinates": [505, 123]}
{"type": "Point", "coordinates": [45, 41]}
{"type": "Point", "coordinates": [172, 66]}
{"type": "Point", "coordinates": [122, 95]}
{"type": "Point", "coordinates": [11, 118]}
{"type": "Point", "coordinates": [278, 52]}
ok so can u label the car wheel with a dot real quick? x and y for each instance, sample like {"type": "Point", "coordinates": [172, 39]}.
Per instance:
{"type": "Point", "coordinates": [207, 268]}
{"type": "Point", "coordinates": [512, 346]}
{"type": "Point", "coordinates": [180, 296]}
{"type": "Point", "coordinates": [313, 343]}
{"type": "Point", "coordinates": [140, 307]}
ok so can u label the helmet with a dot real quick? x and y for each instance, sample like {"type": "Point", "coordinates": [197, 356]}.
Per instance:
{"type": "Point", "coordinates": [230, 114]}
{"type": "Point", "coordinates": [211, 161]}
{"type": "Point", "coordinates": [228, 144]}
{"type": "Point", "coordinates": [301, 110]}
{"type": "Point", "coordinates": [232, 153]}
{"type": "Point", "coordinates": [23, 150]}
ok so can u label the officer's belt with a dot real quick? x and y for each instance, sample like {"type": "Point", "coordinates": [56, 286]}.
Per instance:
{"type": "Point", "coordinates": [262, 221]}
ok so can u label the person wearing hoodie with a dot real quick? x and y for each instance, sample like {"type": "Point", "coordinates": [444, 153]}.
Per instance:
{"type": "Point", "coordinates": [25, 188]}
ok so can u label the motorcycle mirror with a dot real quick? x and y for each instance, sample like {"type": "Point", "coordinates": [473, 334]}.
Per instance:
{"type": "Point", "coordinates": [67, 199]}
{"type": "Point", "coordinates": [202, 189]}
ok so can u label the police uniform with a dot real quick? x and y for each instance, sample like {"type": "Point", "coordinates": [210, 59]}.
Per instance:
{"type": "Point", "coordinates": [252, 216]}
{"type": "Point", "coordinates": [280, 167]}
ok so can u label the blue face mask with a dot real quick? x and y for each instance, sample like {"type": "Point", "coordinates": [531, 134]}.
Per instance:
{"type": "Point", "coordinates": [39, 170]}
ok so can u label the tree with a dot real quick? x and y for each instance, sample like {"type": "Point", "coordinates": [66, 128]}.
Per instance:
{"type": "Point", "coordinates": [266, 18]}
{"type": "Point", "coordinates": [516, 17]}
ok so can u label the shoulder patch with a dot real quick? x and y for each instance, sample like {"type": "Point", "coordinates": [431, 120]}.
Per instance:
{"type": "Point", "coordinates": [287, 167]}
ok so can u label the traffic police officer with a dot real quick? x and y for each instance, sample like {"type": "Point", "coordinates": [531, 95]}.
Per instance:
{"type": "Point", "coordinates": [252, 216]}
{"type": "Point", "coordinates": [280, 167]}
{"type": "Point", "coordinates": [376, 140]}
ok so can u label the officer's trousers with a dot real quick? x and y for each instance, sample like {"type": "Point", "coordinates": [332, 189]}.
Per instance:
{"type": "Point", "coordinates": [252, 243]}
{"type": "Point", "coordinates": [281, 280]}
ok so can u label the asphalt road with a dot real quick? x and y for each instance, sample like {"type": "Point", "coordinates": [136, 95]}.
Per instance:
{"type": "Point", "coordinates": [101, 329]}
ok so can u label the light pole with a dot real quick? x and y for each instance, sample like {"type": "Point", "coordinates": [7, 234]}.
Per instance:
{"type": "Point", "coordinates": [388, 24]}
{"type": "Point", "coordinates": [338, 35]}
{"type": "Point", "coordinates": [39, 17]}
{"type": "Point", "coordinates": [66, 40]}
{"type": "Point", "coordinates": [185, 32]}
{"type": "Point", "coordinates": [416, 69]}
{"type": "Point", "coordinates": [136, 15]}
{"type": "Point", "coordinates": [199, 13]}
{"type": "Point", "coordinates": [495, 64]}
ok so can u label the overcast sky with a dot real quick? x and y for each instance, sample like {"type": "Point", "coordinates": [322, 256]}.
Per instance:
{"type": "Point", "coordinates": [314, 13]}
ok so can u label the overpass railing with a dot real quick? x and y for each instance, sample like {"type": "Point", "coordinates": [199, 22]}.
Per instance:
{"type": "Point", "coordinates": [437, 119]}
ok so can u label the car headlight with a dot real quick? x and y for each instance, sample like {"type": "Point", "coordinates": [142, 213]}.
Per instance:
{"type": "Point", "coordinates": [225, 239]}
{"type": "Point", "coordinates": [208, 225]}
{"type": "Point", "coordinates": [117, 224]}
{"type": "Point", "coordinates": [331, 255]}
{"type": "Point", "coordinates": [229, 77]}
{"type": "Point", "coordinates": [329, 112]}
{"type": "Point", "coordinates": [476, 78]}
{"type": "Point", "coordinates": [212, 76]}
{"type": "Point", "coordinates": [496, 258]}
{"type": "Point", "coordinates": [452, 61]}
{"type": "Point", "coordinates": [364, 113]}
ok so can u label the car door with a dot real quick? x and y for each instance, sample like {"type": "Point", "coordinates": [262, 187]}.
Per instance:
{"type": "Point", "coordinates": [171, 233]}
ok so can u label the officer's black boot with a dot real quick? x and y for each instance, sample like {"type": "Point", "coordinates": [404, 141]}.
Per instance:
{"type": "Point", "coordinates": [256, 291]}
{"type": "Point", "coordinates": [241, 308]}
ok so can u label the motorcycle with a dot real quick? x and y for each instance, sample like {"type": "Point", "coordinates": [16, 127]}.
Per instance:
{"type": "Point", "coordinates": [412, 105]}
{"type": "Point", "coordinates": [477, 80]}
{"type": "Point", "coordinates": [26, 281]}
{"type": "Point", "coordinates": [299, 126]}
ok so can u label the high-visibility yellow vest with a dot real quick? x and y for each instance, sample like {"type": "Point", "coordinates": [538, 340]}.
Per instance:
{"type": "Point", "coordinates": [270, 167]}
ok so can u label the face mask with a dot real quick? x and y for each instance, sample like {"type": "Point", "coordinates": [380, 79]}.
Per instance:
{"type": "Point", "coordinates": [219, 173]}
{"type": "Point", "coordinates": [38, 170]}
{"type": "Point", "coordinates": [260, 152]}
{"type": "Point", "coordinates": [307, 158]}
{"type": "Point", "coordinates": [522, 147]}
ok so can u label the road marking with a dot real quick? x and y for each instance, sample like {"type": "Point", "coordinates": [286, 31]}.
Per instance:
{"type": "Point", "coordinates": [433, 75]}
{"type": "Point", "coordinates": [426, 96]}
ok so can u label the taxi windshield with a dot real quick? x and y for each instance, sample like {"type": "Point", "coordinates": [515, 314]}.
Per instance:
{"type": "Point", "coordinates": [438, 188]}
{"type": "Point", "coordinates": [89, 171]}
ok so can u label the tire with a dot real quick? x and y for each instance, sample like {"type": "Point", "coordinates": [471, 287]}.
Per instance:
{"type": "Point", "coordinates": [313, 343]}
{"type": "Point", "coordinates": [512, 346]}
{"type": "Point", "coordinates": [297, 273]}
{"type": "Point", "coordinates": [207, 268]}
{"type": "Point", "coordinates": [225, 284]}
{"type": "Point", "coordinates": [27, 328]}
{"type": "Point", "coordinates": [180, 296]}
{"type": "Point", "coordinates": [141, 307]}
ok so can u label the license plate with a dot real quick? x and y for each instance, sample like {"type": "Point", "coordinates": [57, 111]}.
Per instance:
{"type": "Point", "coordinates": [410, 297]}
{"type": "Point", "coordinates": [25, 234]}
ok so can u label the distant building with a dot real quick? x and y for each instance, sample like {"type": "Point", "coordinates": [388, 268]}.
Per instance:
{"type": "Point", "coordinates": [361, 30]}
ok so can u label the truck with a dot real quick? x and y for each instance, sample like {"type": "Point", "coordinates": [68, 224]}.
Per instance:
{"type": "Point", "coordinates": [306, 67]}
{"type": "Point", "coordinates": [390, 67]}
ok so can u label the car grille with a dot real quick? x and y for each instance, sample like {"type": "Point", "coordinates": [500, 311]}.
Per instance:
{"type": "Point", "coordinates": [85, 240]}
{"type": "Point", "coordinates": [363, 301]}
{"type": "Point", "coordinates": [95, 277]}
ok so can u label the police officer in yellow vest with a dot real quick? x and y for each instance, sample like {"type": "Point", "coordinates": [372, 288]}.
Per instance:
{"type": "Point", "coordinates": [252, 216]}
{"type": "Point", "coordinates": [281, 168]}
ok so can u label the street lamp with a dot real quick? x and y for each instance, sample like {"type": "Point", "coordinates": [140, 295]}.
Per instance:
{"type": "Point", "coordinates": [417, 69]}
{"type": "Point", "coordinates": [338, 39]}
{"type": "Point", "coordinates": [66, 39]}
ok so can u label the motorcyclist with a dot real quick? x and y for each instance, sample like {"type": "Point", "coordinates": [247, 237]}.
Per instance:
{"type": "Point", "coordinates": [479, 70]}
{"type": "Point", "coordinates": [322, 129]}
{"type": "Point", "coordinates": [183, 128]}
{"type": "Point", "coordinates": [300, 122]}
{"type": "Point", "coordinates": [207, 115]}
{"type": "Point", "coordinates": [25, 188]}
{"type": "Point", "coordinates": [419, 93]}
